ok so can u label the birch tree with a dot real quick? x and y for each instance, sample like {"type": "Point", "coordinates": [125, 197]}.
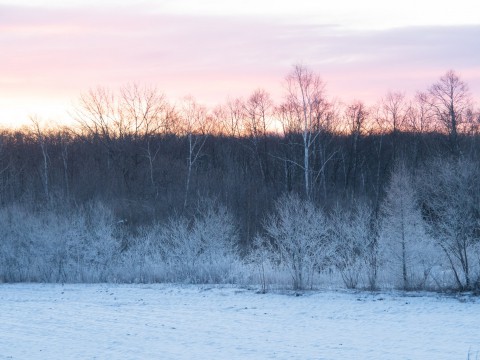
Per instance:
{"type": "Point", "coordinates": [305, 105]}
{"type": "Point", "coordinates": [195, 127]}
{"type": "Point", "coordinates": [40, 137]}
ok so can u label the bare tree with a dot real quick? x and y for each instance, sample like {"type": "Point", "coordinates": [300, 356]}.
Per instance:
{"type": "Point", "coordinates": [144, 110]}
{"type": "Point", "coordinates": [65, 138]}
{"type": "Point", "coordinates": [257, 110]}
{"type": "Point", "coordinates": [420, 122]}
{"type": "Point", "coordinates": [356, 116]}
{"type": "Point", "coordinates": [97, 113]}
{"type": "Point", "coordinates": [234, 113]}
{"type": "Point", "coordinates": [304, 109]}
{"type": "Point", "coordinates": [378, 131]}
{"type": "Point", "coordinates": [394, 110]}
{"type": "Point", "coordinates": [450, 97]}
{"type": "Point", "coordinates": [450, 195]}
{"type": "Point", "coordinates": [196, 128]}
{"type": "Point", "coordinates": [125, 124]}
{"type": "Point", "coordinates": [4, 166]}
{"type": "Point", "coordinates": [422, 115]}
{"type": "Point", "coordinates": [135, 111]}
{"type": "Point", "coordinates": [40, 137]}
{"type": "Point", "coordinates": [257, 113]}
{"type": "Point", "coordinates": [151, 154]}
{"type": "Point", "coordinates": [219, 121]}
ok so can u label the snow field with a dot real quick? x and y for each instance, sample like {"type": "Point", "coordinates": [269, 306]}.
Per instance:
{"type": "Point", "coordinates": [107, 321]}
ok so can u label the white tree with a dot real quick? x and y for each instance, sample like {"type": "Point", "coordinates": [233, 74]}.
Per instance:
{"type": "Point", "coordinates": [404, 245]}
{"type": "Point", "coordinates": [196, 127]}
{"type": "Point", "coordinates": [40, 137]}
{"type": "Point", "coordinates": [304, 111]}
{"type": "Point", "coordinates": [298, 232]}
{"type": "Point", "coordinates": [450, 195]}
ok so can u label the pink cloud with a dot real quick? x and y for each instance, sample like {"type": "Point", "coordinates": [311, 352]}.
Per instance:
{"type": "Point", "coordinates": [62, 52]}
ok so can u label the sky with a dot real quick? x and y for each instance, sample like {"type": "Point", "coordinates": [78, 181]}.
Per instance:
{"type": "Point", "coordinates": [53, 51]}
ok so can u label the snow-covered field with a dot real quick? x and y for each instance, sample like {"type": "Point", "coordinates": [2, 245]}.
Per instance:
{"type": "Point", "coordinates": [199, 322]}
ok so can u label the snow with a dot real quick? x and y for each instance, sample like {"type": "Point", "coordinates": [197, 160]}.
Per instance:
{"type": "Point", "coordinates": [43, 321]}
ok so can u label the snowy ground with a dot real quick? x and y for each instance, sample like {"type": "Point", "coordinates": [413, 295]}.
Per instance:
{"type": "Point", "coordinates": [200, 322]}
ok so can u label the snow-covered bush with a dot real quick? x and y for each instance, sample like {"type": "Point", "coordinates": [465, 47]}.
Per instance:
{"type": "Point", "coordinates": [142, 261]}
{"type": "Point", "coordinates": [92, 243]}
{"type": "Point", "coordinates": [16, 243]}
{"type": "Point", "coordinates": [298, 238]}
{"type": "Point", "coordinates": [202, 250]}
{"type": "Point", "coordinates": [262, 267]}
{"type": "Point", "coordinates": [73, 246]}
{"type": "Point", "coordinates": [351, 237]}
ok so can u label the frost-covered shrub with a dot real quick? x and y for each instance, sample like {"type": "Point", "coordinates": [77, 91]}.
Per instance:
{"type": "Point", "coordinates": [142, 261]}
{"type": "Point", "coordinates": [16, 243]}
{"type": "Point", "coordinates": [262, 267]}
{"type": "Point", "coordinates": [73, 246]}
{"type": "Point", "coordinates": [202, 250]}
{"type": "Point", "coordinates": [351, 238]}
{"type": "Point", "coordinates": [297, 234]}
{"type": "Point", "coordinates": [86, 245]}
{"type": "Point", "coordinates": [91, 245]}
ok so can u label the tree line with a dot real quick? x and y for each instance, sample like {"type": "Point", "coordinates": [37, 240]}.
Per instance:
{"type": "Point", "coordinates": [308, 186]}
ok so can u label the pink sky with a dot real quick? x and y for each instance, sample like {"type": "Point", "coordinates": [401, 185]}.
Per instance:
{"type": "Point", "coordinates": [50, 54]}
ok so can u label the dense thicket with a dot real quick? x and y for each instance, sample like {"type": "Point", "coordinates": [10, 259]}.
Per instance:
{"type": "Point", "coordinates": [132, 180]}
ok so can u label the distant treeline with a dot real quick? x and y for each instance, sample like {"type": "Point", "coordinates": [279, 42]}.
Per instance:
{"type": "Point", "coordinates": [142, 187]}
{"type": "Point", "coordinates": [148, 162]}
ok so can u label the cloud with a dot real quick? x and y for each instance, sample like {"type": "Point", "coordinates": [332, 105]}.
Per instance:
{"type": "Point", "coordinates": [65, 51]}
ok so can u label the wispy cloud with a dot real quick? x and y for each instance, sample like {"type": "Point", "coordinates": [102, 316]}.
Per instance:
{"type": "Point", "coordinates": [64, 51]}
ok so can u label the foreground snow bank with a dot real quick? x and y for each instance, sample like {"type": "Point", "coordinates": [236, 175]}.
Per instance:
{"type": "Point", "coordinates": [185, 322]}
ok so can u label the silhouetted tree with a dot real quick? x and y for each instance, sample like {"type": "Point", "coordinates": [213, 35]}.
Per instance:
{"type": "Point", "coordinates": [450, 98]}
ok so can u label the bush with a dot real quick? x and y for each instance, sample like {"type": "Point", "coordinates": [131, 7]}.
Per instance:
{"type": "Point", "coordinates": [202, 250]}
{"type": "Point", "coordinates": [297, 235]}
{"type": "Point", "coordinates": [76, 246]}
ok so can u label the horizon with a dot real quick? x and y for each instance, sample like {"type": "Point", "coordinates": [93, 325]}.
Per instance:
{"type": "Point", "coordinates": [57, 51]}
